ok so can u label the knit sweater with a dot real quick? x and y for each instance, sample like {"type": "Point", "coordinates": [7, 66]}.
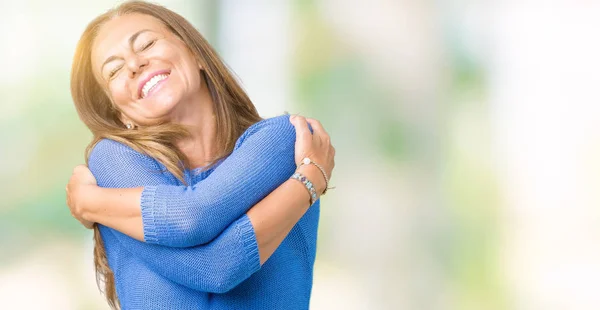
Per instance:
{"type": "Point", "coordinates": [200, 249]}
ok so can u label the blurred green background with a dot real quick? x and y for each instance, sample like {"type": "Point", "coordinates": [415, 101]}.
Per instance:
{"type": "Point", "coordinates": [467, 136]}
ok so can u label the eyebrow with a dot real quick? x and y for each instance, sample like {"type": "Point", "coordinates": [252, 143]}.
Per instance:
{"type": "Point", "coordinates": [131, 40]}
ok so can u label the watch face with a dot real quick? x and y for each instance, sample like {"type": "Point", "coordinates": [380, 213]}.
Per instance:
{"type": "Point", "coordinates": [306, 160]}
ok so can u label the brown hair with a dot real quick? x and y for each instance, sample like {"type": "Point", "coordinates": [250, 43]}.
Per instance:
{"type": "Point", "coordinates": [234, 111]}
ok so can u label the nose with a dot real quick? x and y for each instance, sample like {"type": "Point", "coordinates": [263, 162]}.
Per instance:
{"type": "Point", "coordinates": [136, 65]}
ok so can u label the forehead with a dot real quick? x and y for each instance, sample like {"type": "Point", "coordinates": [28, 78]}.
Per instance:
{"type": "Point", "coordinates": [116, 32]}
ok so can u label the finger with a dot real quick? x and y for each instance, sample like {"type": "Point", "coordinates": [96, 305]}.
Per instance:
{"type": "Point", "coordinates": [301, 126]}
{"type": "Point", "coordinates": [318, 129]}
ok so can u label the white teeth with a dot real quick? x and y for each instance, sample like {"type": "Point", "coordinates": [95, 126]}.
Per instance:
{"type": "Point", "coordinates": [151, 83]}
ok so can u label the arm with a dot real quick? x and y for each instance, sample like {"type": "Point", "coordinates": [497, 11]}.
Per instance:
{"type": "Point", "coordinates": [215, 267]}
{"type": "Point", "coordinates": [272, 218]}
{"type": "Point", "coordinates": [188, 215]}
{"type": "Point", "coordinates": [235, 254]}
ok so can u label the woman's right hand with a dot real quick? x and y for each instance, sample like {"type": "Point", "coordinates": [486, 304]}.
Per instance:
{"type": "Point", "coordinates": [316, 146]}
{"type": "Point", "coordinates": [81, 179]}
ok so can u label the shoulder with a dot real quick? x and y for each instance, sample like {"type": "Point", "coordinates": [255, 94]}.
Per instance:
{"type": "Point", "coordinates": [116, 164]}
{"type": "Point", "coordinates": [273, 124]}
{"type": "Point", "coordinates": [107, 151]}
{"type": "Point", "coordinates": [111, 148]}
{"type": "Point", "coordinates": [277, 128]}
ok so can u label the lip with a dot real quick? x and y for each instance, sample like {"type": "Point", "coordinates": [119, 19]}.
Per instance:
{"type": "Point", "coordinates": [148, 77]}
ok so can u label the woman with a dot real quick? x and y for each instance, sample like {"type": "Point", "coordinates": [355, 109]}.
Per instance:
{"type": "Point", "coordinates": [185, 165]}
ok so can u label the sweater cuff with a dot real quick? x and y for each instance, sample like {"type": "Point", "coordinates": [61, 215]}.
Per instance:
{"type": "Point", "coordinates": [153, 210]}
{"type": "Point", "coordinates": [250, 245]}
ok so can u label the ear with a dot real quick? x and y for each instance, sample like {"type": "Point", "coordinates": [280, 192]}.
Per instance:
{"type": "Point", "coordinates": [129, 124]}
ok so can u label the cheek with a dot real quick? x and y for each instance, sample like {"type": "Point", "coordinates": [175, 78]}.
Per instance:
{"type": "Point", "coordinates": [189, 67]}
{"type": "Point", "coordinates": [119, 93]}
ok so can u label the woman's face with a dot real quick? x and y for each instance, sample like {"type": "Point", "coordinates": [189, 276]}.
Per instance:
{"type": "Point", "coordinates": [146, 70]}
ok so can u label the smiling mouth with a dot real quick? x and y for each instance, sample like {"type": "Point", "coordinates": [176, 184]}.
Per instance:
{"type": "Point", "coordinates": [152, 83]}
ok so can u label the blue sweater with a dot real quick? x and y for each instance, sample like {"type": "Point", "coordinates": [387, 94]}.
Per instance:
{"type": "Point", "coordinates": [200, 250]}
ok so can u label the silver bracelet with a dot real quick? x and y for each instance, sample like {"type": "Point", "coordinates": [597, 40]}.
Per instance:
{"type": "Point", "coordinates": [308, 184]}
{"type": "Point", "coordinates": [307, 161]}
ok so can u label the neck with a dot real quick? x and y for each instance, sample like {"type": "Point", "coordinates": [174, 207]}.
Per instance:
{"type": "Point", "coordinates": [197, 114]}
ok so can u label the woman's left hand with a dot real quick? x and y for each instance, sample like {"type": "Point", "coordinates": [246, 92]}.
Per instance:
{"type": "Point", "coordinates": [81, 179]}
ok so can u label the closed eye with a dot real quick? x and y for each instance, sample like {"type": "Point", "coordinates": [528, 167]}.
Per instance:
{"type": "Point", "coordinates": [147, 45]}
{"type": "Point", "coordinates": [114, 71]}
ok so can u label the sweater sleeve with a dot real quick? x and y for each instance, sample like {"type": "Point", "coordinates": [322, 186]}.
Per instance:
{"type": "Point", "coordinates": [215, 267]}
{"type": "Point", "coordinates": [183, 216]}
{"type": "Point", "coordinates": [186, 216]}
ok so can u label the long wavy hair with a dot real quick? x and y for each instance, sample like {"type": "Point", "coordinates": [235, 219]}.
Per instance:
{"type": "Point", "coordinates": [234, 111]}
